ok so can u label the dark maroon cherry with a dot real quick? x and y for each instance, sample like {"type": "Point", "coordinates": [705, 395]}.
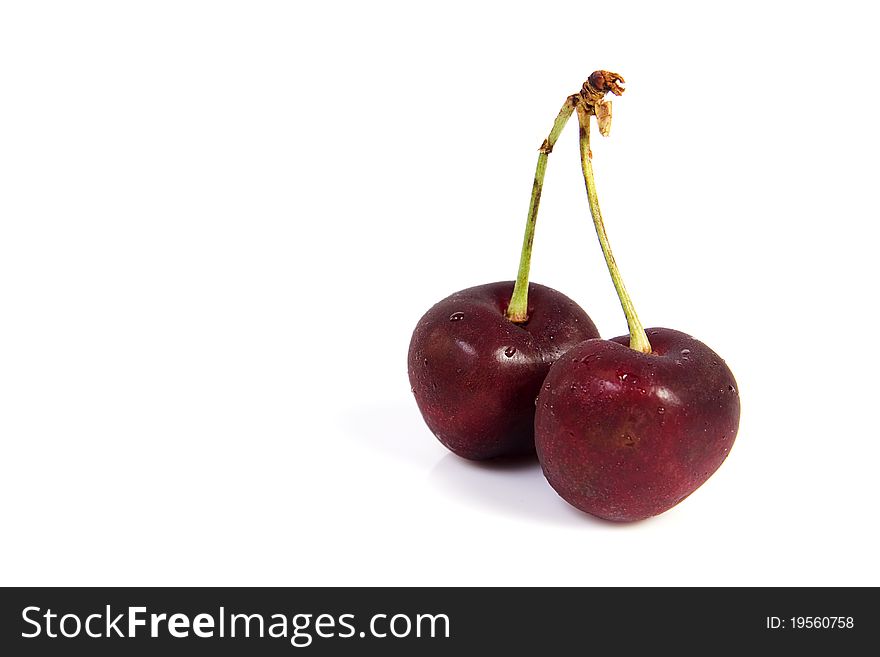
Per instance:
{"type": "Point", "coordinates": [625, 435]}
{"type": "Point", "coordinates": [475, 374]}
{"type": "Point", "coordinates": [477, 359]}
{"type": "Point", "coordinates": [626, 429]}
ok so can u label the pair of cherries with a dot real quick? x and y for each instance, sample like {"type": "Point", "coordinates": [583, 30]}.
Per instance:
{"type": "Point", "coordinates": [625, 428]}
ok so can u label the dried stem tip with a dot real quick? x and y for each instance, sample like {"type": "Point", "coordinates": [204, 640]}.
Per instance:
{"type": "Point", "coordinates": [600, 83]}
{"type": "Point", "coordinates": [592, 96]}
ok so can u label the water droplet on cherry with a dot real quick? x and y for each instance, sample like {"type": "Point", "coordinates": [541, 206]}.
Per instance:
{"type": "Point", "coordinates": [510, 351]}
{"type": "Point", "coordinates": [454, 317]}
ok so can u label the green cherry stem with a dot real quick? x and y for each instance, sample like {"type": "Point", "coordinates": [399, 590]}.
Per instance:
{"type": "Point", "coordinates": [518, 308]}
{"type": "Point", "coordinates": [638, 340]}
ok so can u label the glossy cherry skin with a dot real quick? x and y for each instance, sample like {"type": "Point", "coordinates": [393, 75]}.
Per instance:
{"type": "Point", "coordinates": [475, 374]}
{"type": "Point", "coordinates": [625, 435]}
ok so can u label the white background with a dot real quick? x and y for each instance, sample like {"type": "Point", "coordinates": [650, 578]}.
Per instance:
{"type": "Point", "coordinates": [220, 222]}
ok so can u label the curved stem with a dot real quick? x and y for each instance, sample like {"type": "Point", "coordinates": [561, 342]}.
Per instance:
{"type": "Point", "coordinates": [638, 340]}
{"type": "Point", "coordinates": [518, 308]}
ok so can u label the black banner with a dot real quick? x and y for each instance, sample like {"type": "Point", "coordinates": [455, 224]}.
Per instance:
{"type": "Point", "coordinates": [436, 621]}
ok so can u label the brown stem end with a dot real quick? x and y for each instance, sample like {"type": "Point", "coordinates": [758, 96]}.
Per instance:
{"type": "Point", "coordinates": [592, 96]}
